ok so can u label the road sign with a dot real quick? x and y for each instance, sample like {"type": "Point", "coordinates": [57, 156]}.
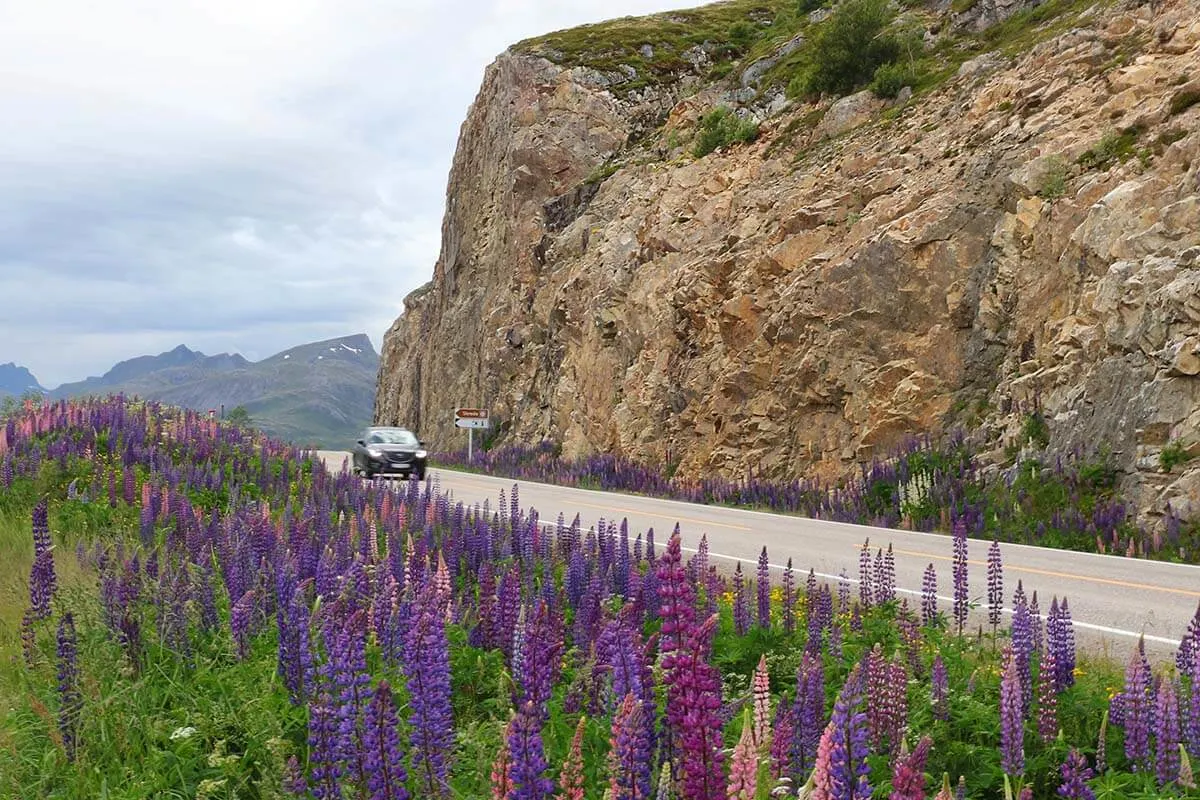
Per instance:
{"type": "Point", "coordinates": [473, 424]}
{"type": "Point", "coordinates": [470, 413]}
{"type": "Point", "coordinates": [472, 419]}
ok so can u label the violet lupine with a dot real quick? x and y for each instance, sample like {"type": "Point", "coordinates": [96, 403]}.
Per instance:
{"type": "Point", "coordinates": [42, 578]}
{"type": "Point", "coordinates": [1065, 657]}
{"type": "Point", "coordinates": [1035, 621]}
{"type": "Point", "coordinates": [864, 574]}
{"type": "Point", "coordinates": [929, 607]}
{"type": "Point", "coordinates": [570, 777]}
{"type": "Point", "coordinates": [346, 673]}
{"type": "Point", "coordinates": [995, 580]}
{"type": "Point", "coordinates": [1012, 718]}
{"type": "Point", "coordinates": [629, 754]}
{"type": "Point", "coordinates": [808, 710]}
{"type": "Point", "coordinates": [70, 701]}
{"type": "Point", "coordinates": [841, 771]}
{"type": "Point", "coordinates": [789, 599]}
{"type": "Point", "coordinates": [241, 618]}
{"type": "Point", "coordinates": [1191, 725]}
{"type": "Point", "coordinates": [1167, 734]}
{"type": "Point", "coordinates": [1136, 709]}
{"type": "Point", "coordinates": [529, 780]}
{"type": "Point", "coordinates": [908, 773]}
{"type": "Point", "coordinates": [427, 669]}
{"type": "Point", "coordinates": [295, 663]}
{"type": "Point", "coordinates": [1186, 657]}
{"type": "Point", "coordinates": [1022, 645]}
{"type": "Point", "coordinates": [762, 586]}
{"type": "Point", "coordinates": [887, 702]}
{"type": "Point", "coordinates": [694, 688]}
{"type": "Point", "coordinates": [1047, 699]}
{"type": "Point", "coordinates": [294, 782]}
{"type": "Point", "coordinates": [960, 573]}
{"type": "Point", "coordinates": [382, 757]}
{"type": "Point", "coordinates": [761, 686]}
{"type": "Point", "coordinates": [743, 766]}
{"type": "Point", "coordinates": [741, 606]}
{"type": "Point", "coordinates": [940, 689]}
{"type": "Point", "coordinates": [1075, 775]}
{"type": "Point", "coordinates": [783, 732]}
{"type": "Point", "coordinates": [324, 780]}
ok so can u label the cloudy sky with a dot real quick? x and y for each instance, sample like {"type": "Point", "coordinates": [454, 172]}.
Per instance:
{"type": "Point", "coordinates": [233, 175]}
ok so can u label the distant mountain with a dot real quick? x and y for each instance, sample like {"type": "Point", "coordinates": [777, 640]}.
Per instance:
{"type": "Point", "coordinates": [320, 393]}
{"type": "Point", "coordinates": [16, 380]}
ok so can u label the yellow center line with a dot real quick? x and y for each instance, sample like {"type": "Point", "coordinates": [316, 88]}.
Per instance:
{"type": "Point", "coordinates": [1055, 574]}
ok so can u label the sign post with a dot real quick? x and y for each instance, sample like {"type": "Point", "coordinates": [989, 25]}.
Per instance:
{"type": "Point", "coordinates": [471, 418]}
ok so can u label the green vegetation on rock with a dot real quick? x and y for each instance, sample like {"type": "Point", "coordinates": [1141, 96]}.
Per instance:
{"type": "Point", "coordinates": [720, 127]}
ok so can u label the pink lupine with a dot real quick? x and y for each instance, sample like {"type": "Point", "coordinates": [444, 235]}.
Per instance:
{"type": "Point", "coordinates": [762, 704]}
{"type": "Point", "coordinates": [570, 779]}
{"type": "Point", "coordinates": [743, 768]}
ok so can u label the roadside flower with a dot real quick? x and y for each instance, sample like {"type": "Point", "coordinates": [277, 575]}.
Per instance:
{"type": "Point", "coordinates": [1012, 748]}
{"type": "Point", "coordinates": [743, 767]}
{"type": "Point", "coordinates": [1075, 775]}
{"type": "Point", "coordinates": [908, 773]}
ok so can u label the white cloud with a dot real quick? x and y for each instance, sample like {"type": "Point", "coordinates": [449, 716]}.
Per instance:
{"type": "Point", "coordinates": [231, 174]}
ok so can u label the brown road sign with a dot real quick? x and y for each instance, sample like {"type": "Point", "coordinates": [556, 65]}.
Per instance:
{"type": "Point", "coordinates": [470, 413]}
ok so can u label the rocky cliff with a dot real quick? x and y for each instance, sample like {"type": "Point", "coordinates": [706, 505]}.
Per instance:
{"type": "Point", "coordinates": [1021, 238]}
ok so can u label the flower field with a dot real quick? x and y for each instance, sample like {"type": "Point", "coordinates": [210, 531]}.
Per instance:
{"type": "Point", "coordinates": [188, 610]}
{"type": "Point", "coordinates": [1070, 503]}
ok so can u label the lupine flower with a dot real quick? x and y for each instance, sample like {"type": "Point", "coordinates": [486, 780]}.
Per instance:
{"type": "Point", "coordinates": [1101, 744]}
{"type": "Point", "coordinates": [1047, 697]}
{"type": "Point", "coordinates": [629, 756]}
{"type": "Point", "coordinates": [781, 741]}
{"type": "Point", "coordinates": [381, 742]}
{"type": "Point", "coordinates": [1012, 747]}
{"type": "Point", "coordinates": [960, 573]}
{"type": "Point", "coordinates": [427, 669]}
{"type": "Point", "coordinates": [763, 587]}
{"type": "Point", "coordinates": [841, 771]}
{"type": "Point", "coordinates": [908, 773]}
{"type": "Point", "coordinates": [1075, 775]}
{"type": "Point", "coordinates": [28, 638]}
{"type": "Point", "coordinates": [1065, 657]}
{"type": "Point", "coordinates": [1187, 778]}
{"type": "Point", "coordinates": [1022, 646]}
{"type": "Point", "coordinates": [741, 607]}
{"type": "Point", "coordinates": [694, 694]}
{"type": "Point", "coordinates": [995, 577]}
{"type": "Point", "coordinates": [326, 770]}
{"type": "Point", "coordinates": [865, 593]}
{"type": "Point", "coordinates": [945, 792]}
{"type": "Point", "coordinates": [294, 782]}
{"type": "Point", "coordinates": [940, 689]}
{"type": "Point", "coordinates": [789, 599]}
{"type": "Point", "coordinates": [70, 702]}
{"type": "Point", "coordinates": [570, 778]}
{"type": "Point", "coordinates": [529, 781]}
{"type": "Point", "coordinates": [1136, 709]}
{"type": "Point", "coordinates": [501, 777]}
{"type": "Point", "coordinates": [761, 685]}
{"type": "Point", "coordinates": [743, 767]}
{"type": "Point", "coordinates": [929, 607]}
{"type": "Point", "coordinates": [1167, 734]}
{"type": "Point", "coordinates": [808, 710]}
{"type": "Point", "coordinates": [1191, 723]}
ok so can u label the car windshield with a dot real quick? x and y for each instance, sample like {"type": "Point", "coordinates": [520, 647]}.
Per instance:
{"type": "Point", "coordinates": [391, 436]}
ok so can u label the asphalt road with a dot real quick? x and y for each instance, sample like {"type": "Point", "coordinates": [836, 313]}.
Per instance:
{"type": "Point", "coordinates": [1113, 599]}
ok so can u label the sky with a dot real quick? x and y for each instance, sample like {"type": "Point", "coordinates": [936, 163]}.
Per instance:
{"type": "Point", "coordinates": [233, 175]}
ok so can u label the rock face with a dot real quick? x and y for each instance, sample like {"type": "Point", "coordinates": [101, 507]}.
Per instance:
{"type": "Point", "coordinates": [799, 304]}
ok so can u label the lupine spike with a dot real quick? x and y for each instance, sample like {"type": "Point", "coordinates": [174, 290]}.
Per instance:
{"type": "Point", "coordinates": [743, 766]}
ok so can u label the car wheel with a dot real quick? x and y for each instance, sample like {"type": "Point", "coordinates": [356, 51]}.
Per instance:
{"type": "Point", "coordinates": [420, 473]}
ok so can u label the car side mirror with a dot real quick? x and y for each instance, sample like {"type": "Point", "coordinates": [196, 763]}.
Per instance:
{"type": "Point", "coordinates": [421, 442]}
{"type": "Point", "coordinates": [360, 441]}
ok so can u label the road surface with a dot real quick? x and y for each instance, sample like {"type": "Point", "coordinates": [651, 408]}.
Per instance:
{"type": "Point", "coordinates": [1113, 599]}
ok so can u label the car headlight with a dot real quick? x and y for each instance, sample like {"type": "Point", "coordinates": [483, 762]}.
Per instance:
{"type": "Point", "coordinates": [421, 454]}
{"type": "Point", "coordinates": [373, 453]}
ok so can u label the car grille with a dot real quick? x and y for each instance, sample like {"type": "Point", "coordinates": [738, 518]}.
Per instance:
{"type": "Point", "coordinates": [399, 458]}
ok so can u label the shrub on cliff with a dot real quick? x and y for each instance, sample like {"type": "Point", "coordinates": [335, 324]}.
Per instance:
{"type": "Point", "coordinates": [720, 127]}
{"type": "Point", "coordinates": [847, 49]}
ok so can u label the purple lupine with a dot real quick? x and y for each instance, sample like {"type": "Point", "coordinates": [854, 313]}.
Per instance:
{"type": "Point", "coordinates": [383, 759]}
{"type": "Point", "coordinates": [694, 695]}
{"type": "Point", "coordinates": [841, 771]}
{"type": "Point", "coordinates": [1189, 647]}
{"type": "Point", "coordinates": [864, 574]}
{"type": "Point", "coordinates": [426, 659]}
{"type": "Point", "coordinates": [1075, 775]}
{"type": "Point", "coordinates": [741, 607]}
{"type": "Point", "coordinates": [960, 573]}
{"type": "Point", "coordinates": [887, 704]}
{"type": "Point", "coordinates": [940, 689]}
{"type": "Point", "coordinates": [1012, 718]}
{"type": "Point", "coordinates": [629, 759]}
{"type": "Point", "coordinates": [1065, 657]}
{"type": "Point", "coordinates": [789, 599]}
{"type": "Point", "coordinates": [1136, 710]}
{"type": "Point", "coordinates": [1191, 725]}
{"type": "Point", "coordinates": [995, 580]}
{"type": "Point", "coordinates": [241, 617]}
{"type": "Point", "coordinates": [784, 731]}
{"type": "Point", "coordinates": [42, 578]}
{"type": "Point", "coordinates": [808, 711]}
{"type": "Point", "coordinates": [908, 773]}
{"type": "Point", "coordinates": [528, 767]}
{"type": "Point", "coordinates": [929, 605]}
{"type": "Point", "coordinates": [70, 702]}
{"type": "Point", "coordinates": [1167, 734]}
{"type": "Point", "coordinates": [1047, 698]}
{"type": "Point", "coordinates": [295, 666]}
{"type": "Point", "coordinates": [1035, 621]}
{"type": "Point", "coordinates": [1022, 646]}
{"type": "Point", "coordinates": [763, 587]}
{"type": "Point", "coordinates": [346, 674]}
{"type": "Point", "coordinates": [324, 780]}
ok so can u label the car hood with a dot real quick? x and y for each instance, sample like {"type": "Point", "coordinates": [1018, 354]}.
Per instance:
{"type": "Point", "coordinates": [394, 448]}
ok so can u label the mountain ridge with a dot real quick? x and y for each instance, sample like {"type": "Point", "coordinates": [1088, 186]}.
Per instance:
{"type": "Point", "coordinates": [318, 393]}
{"type": "Point", "coordinates": [16, 380]}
